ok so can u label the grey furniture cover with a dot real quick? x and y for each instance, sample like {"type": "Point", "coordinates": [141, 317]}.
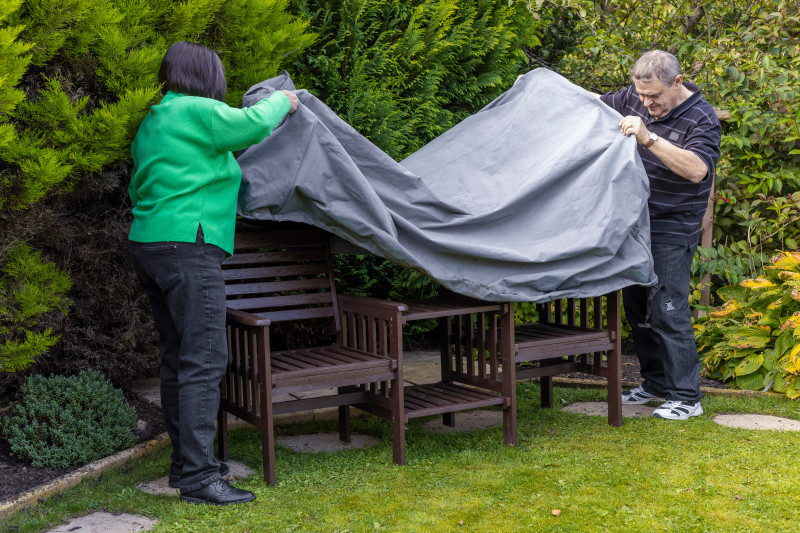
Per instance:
{"type": "Point", "coordinates": [535, 197]}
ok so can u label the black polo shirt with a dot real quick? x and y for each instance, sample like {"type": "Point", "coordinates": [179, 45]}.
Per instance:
{"type": "Point", "coordinates": [676, 204]}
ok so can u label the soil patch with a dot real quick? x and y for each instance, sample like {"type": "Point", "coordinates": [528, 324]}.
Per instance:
{"type": "Point", "coordinates": [19, 476]}
{"type": "Point", "coordinates": [631, 371]}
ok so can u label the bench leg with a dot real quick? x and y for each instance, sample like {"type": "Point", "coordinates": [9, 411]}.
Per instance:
{"type": "Point", "coordinates": [344, 423]}
{"type": "Point", "coordinates": [398, 423]}
{"type": "Point", "coordinates": [265, 424]}
{"type": "Point", "coordinates": [510, 424]}
{"type": "Point", "coordinates": [509, 376]}
{"type": "Point", "coordinates": [268, 446]}
{"type": "Point", "coordinates": [449, 420]}
{"type": "Point", "coordinates": [614, 388]}
{"type": "Point", "coordinates": [222, 435]}
{"type": "Point", "coordinates": [546, 384]}
{"type": "Point", "coordinates": [614, 362]}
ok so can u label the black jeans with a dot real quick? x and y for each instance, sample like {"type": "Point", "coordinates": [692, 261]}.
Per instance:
{"type": "Point", "coordinates": [664, 341]}
{"type": "Point", "coordinates": [187, 294]}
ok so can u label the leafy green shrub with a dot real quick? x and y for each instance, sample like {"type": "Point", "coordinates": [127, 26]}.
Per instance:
{"type": "Point", "coordinates": [745, 57]}
{"type": "Point", "coordinates": [31, 290]}
{"type": "Point", "coordinates": [753, 339]}
{"type": "Point", "coordinates": [63, 421]}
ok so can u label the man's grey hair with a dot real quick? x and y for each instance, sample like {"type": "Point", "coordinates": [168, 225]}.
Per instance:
{"type": "Point", "coordinates": [656, 64]}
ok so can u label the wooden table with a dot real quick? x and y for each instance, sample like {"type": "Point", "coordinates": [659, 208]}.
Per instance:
{"type": "Point", "coordinates": [476, 345]}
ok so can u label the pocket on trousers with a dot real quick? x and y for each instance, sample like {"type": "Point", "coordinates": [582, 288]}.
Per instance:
{"type": "Point", "coordinates": [163, 264]}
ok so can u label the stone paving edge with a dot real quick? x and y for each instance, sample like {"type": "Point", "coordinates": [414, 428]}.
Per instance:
{"type": "Point", "coordinates": [93, 469]}
{"type": "Point", "coordinates": [576, 382]}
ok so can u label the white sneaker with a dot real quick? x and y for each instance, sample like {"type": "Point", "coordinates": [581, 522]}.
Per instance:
{"type": "Point", "coordinates": [673, 410]}
{"type": "Point", "coordinates": [638, 396]}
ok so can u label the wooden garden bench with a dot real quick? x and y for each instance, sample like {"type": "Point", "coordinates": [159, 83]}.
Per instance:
{"type": "Point", "coordinates": [574, 335]}
{"type": "Point", "coordinates": [283, 274]}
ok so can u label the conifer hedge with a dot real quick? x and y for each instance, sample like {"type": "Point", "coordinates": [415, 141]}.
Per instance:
{"type": "Point", "coordinates": [402, 72]}
{"type": "Point", "coordinates": [79, 75]}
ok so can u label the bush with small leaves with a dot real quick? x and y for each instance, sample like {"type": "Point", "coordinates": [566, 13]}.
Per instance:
{"type": "Point", "coordinates": [63, 421]}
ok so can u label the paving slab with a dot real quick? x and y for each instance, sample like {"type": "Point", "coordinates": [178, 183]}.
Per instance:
{"type": "Point", "coordinates": [324, 442]}
{"type": "Point", "coordinates": [149, 390]}
{"type": "Point", "coordinates": [107, 523]}
{"type": "Point", "coordinates": [160, 486]}
{"type": "Point", "coordinates": [467, 421]}
{"type": "Point", "coordinates": [421, 367]}
{"type": "Point", "coordinates": [764, 422]}
{"type": "Point", "coordinates": [601, 409]}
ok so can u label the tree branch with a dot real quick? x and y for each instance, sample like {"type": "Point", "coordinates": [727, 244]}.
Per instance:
{"type": "Point", "coordinates": [691, 22]}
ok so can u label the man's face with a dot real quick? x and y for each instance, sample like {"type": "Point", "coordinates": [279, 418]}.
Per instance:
{"type": "Point", "coordinates": [657, 97]}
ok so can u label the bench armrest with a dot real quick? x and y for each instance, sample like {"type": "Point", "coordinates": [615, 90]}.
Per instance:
{"type": "Point", "coordinates": [367, 306]}
{"type": "Point", "coordinates": [362, 317]}
{"type": "Point", "coordinates": [244, 318]}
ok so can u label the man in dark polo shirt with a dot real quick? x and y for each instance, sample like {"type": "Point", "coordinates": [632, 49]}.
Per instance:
{"type": "Point", "coordinates": [679, 143]}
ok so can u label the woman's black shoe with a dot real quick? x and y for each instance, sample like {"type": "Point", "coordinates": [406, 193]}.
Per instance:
{"type": "Point", "coordinates": [175, 481]}
{"type": "Point", "coordinates": [218, 493]}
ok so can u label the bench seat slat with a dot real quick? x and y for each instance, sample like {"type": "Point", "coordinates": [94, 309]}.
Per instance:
{"type": "Point", "coordinates": [296, 314]}
{"type": "Point", "coordinates": [241, 259]}
{"type": "Point", "coordinates": [291, 300]}
{"type": "Point", "coordinates": [266, 287]}
{"type": "Point", "coordinates": [437, 398]}
{"type": "Point", "coordinates": [267, 239]}
{"type": "Point", "coordinates": [266, 272]}
{"type": "Point", "coordinates": [354, 364]}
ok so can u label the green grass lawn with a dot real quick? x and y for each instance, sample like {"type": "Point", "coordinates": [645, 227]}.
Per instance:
{"type": "Point", "coordinates": [648, 476]}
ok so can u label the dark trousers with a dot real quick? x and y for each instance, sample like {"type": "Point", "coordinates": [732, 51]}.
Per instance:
{"type": "Point", "coordinates": [664, 340]}
{"type": "Point", "coordinates": [187, 294]}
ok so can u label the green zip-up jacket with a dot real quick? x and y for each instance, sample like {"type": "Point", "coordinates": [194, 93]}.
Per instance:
{"type": "Point", "coordinates": [184, 172]}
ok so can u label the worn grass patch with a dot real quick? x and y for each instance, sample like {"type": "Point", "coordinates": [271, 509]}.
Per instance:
{"type": "Point", "coordinates": [650, 475]}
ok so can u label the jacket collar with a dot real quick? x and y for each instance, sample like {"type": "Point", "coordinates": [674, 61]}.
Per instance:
{"type": "Point", "coordinates": [171, 95]}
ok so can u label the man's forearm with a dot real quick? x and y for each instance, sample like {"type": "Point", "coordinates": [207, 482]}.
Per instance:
{"type": "Point", "coordinates": [682, 162]}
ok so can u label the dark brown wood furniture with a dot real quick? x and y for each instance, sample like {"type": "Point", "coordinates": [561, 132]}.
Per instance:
{"type": "Point", "coordinates": [474, 353]}
{"type": "Point", "coordinates": [283, 274]}
{"type": "Point", "coordinates": [574, 335]}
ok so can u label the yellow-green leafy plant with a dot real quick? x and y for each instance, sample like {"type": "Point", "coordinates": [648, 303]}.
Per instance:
{"type": "Point", "coordinates": [753, 339]}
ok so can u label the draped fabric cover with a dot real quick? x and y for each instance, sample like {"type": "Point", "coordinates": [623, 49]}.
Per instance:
{"type": "Point", "coordinates": [537, 196]}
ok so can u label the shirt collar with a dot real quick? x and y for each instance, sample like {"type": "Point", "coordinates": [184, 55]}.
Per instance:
{"type": "Point", "coordinates": [686, 104]}
{"type": "Point", "coordinates": [171, 95]}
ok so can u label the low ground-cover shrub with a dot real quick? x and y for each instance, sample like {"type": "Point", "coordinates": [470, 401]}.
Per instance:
{"type": "Point", "coordinates": [63, 421]}
{"type": "Point", "coordinates": [753, 339]}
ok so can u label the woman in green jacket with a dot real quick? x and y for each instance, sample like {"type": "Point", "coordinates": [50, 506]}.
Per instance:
{"type": "Point", "coordinates": [183, 190]}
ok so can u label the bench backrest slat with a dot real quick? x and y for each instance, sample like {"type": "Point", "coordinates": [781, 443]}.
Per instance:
{"type": "Point", "coordinates": [282, 274]}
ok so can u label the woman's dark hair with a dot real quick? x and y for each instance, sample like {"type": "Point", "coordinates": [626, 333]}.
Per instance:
{"type": "Point", "coordinates": [193, 69]}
